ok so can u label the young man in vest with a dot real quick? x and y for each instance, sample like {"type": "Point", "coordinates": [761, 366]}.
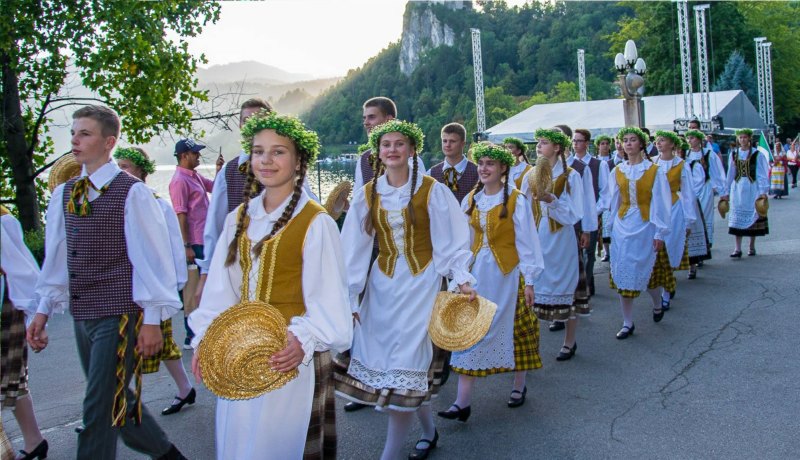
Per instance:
{"type": "Point", "coordinates": [599, 170]}
{"type": "Point", "coordinates": [107, 259]}
{"type": "Point", "coordinates": [375, 111]}
{"type": "Point", "coordinates": [456, 172]}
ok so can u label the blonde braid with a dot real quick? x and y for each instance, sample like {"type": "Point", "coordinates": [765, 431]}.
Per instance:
{"type": "Point", "coordinates": [504, 211]}
{"type": "Point", "coordinates": [369, 227]}
{"type": "Point", "coordinates": [414, 171]}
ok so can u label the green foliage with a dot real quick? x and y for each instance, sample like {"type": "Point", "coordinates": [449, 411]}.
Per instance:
{"type": "Point", "coordinates": [528, 53]}
{"type": "Point", "coordinates": [34, 239]}
{"type": "Point", "coordinates": [738, 75]}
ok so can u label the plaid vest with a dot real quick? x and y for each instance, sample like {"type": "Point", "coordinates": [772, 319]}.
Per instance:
{"type": "Point", "coordinates": [367, 173]}
{"type": "Point", "coordinates": [236, 180]}
{"type": "Point", "coordinates": [100, 272]}
{"type": "Point", "coordinates": [466, 181]}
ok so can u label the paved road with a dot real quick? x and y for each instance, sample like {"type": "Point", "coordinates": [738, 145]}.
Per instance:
{"type": "Point", "coordinates": [717, 378]}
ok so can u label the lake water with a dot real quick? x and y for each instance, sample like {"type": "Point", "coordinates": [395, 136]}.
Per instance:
{"type": "Point", "coordinates": [322, 177]}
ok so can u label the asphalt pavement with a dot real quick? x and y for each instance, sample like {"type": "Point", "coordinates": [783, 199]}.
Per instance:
{"type": "Point", "coordinates": [717, 378]}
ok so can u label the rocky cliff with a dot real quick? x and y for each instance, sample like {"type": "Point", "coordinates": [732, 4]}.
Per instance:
{"type": "Point", "coordinates": [423, 31]}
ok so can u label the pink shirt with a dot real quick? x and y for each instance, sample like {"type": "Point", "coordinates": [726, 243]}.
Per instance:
{"type": "Point", "coordinates": [189, 194]}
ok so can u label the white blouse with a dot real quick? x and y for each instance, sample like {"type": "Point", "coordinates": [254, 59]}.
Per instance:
{"type": "Point", "coordinates": [148, 247]}
{"type": "Point", "coordinates": [326, 323]}
{"type": "Point", "coordinates": [447, 224]}
{"type": "Point", "coordinates": [22, 271]}
{"type": "Point", "coordinates": [686, 193]}
{"type": "Point", "coordinates": [661, 203]}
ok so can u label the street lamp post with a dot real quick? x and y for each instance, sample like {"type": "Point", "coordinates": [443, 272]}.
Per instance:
{"type": "Point", "coordinates": [631, 69]}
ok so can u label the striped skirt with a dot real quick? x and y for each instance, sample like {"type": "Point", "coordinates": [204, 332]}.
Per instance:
{"type": "Point", "coordinates": [13, 356]}
{"type": "Point", "coordinates": [321, 437]}
{"type": "Point", "coordinates": [170, 351]}
{"type": "Point", "coordinates": [526, 340]}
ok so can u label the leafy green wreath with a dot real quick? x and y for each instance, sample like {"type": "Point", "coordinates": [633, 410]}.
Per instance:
{"type": "Point", "coordinates": [676, 141]}
{"type": "Point", "coordinates": [135, 156]}
{"type": "Point", "coordinates": [285, 125]}
{"type": "Point", "coordinates": [602, 138]}
{"type": "Point", "coordinates": [695, 133]}
{"type": "Point", "coordinates": [554, 136]}
{"type": "Point", "coordinates": [517, 143]}
{"type": "Point", "coordinates": [495, 152]}
{"type": "Point", "coordinates": [406, 128]}
{"type": "Point", "coordinates": [633, 130]}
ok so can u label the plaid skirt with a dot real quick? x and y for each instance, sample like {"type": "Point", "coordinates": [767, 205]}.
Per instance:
{"type": "Point", "coordinates": [353, 389]}
{"type": "Point", "coordinates": [526, 340]}
{"type": "Point", "coordinates": [685, 263]}
{"type": "Point", "coordinates": [627, 293]}
{"type": "Point", "coordinates": [662, 275]}
{"type": "Point", "coordinates": [6, 452]}
{"type": "Point", "coordinates": [581, 302]}
{"type": "Point", "coordinates": [759, 228]}
{"type": "Point", "coordinates": [13, 356]}
{"type": "Point", "coordinates": [321, 437]}
{"type": "Point", "coordinates": [169, 351]}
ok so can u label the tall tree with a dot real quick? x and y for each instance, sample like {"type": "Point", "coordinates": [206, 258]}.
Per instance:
{"type": "Point", "coordinates": [132, 55]}
{"type": "Point", "coordinates": [738, 75]}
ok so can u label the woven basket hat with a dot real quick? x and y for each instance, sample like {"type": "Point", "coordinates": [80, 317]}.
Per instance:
{"type": "Point", "coordinates": [335, 203]}
{"type": "Point", "coordinates": [64, 169]}
{"type": "Point", "coordinates": [762, 206]}
{"type": "Point", "coordinates": [723, 207]}
{"type": "Point", "coordinates": [236, 350]}
{"type": "Point", "coordinates": [457, 324]}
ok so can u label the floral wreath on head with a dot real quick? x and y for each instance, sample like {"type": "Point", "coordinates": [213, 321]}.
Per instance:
{"type": "Point", "coordinates": [633, 130]}
{"type": "Point", "coordinates": [684, 145]}
{"type": "Point", "coordinates": [745, 131]}
{"type": "Point", "coordinates": [362, 148]}
{"type": "Point", "coordinates": [406, 128]}
{"type": "Point", "coordinates": [285, 125]}
{"type": "Point", "coordinates": [676, 141]}
{"type": "Point", "coordinates": [554, 136]}
{"type": "Point", "coordinates": [135, 156]}
{"type": "Point", "coordinates": [695, 133]}
{"type": "Point", "coordinates": [493, 151]}
{"type": "Point", "coordinates": [517, 143]}
{"type": "Point", "coordinates": [602, 138]}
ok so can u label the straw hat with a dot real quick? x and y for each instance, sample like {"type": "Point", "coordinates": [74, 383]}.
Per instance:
{"type": "Point", "coordinates": [64, 169]}
{"type": "Point", "coordinates": [237, 347]}
{"type": "Point", "coordinates": [338, 198]}
{"type": "Point", "coordinates": [762, 206]}
{"type": "Point", "coordinates": [456, 323]}
{"type": "Point", "coordinates": [723, 207]}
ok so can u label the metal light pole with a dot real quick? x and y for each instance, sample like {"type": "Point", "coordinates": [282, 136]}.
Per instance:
{"type": "Point", "coordinates": [477, 64]}
{"type": "Point", "coordinates": [702, 62]}
{"type": "Point", "coordinates": [631, 69]}
{"type": "Point", "coordinates": [581, 76]}
{"type": "Point", "coordinates": [686, 59]}
{"type": "Point", "coordinates": [768, 94]}
{"type": "Point", "coordinates": [762, 103]}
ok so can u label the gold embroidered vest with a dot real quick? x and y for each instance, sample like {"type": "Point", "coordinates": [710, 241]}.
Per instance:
{"type": "Point", "coordinates": [644, 192]}
{"type": "Point", "coordinates": [518, 180]}
{"type": "Point", "coordinates": [280, 281]}
{"type": "Point", "coordinates": [559, 185]}
{"type": "Point", "coordinates": [499, 233]}
{"type": "Point", "coordinates": [674, 178]}
{"type": "Point", "coordinates": [417, 245]}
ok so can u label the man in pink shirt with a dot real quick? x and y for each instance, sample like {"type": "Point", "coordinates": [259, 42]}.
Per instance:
{"type": "Point", "coordinates": [189, 191]}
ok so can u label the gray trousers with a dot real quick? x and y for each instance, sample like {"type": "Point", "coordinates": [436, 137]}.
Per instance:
{"type": "Point", "coordinates": [589, 256]}
{"type": "Point", "coordinates": [97, 348]}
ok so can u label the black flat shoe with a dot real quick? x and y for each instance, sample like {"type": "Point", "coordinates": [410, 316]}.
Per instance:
{"type": "Point", "coordinates": [556, 326]}
{"type": "Point", "coordinates": [459, 414]}
{"type": "Point", "coordinates": [751, 252]}
{"type": "Point", "coordinates": [516, 402]}
{"type": "Point", "coordinates": [625, 332]}
{"type": "Point", "coordinates": [566, 356]}
{"type": "Point", "coordinates": [39, 452]}
{"type": "Point", "coordinates": [658, 315]}
{"type": "Point", "coordinates": [671, 295]}
{"type": "Point", "coordinates": [353, 406]}
{"type": "Point", "coordinates": [176, 407]}
{"type": "Point", "coordinates": [420, 454]}
{"type": "Point", "coordinates": [692, 274]}
{"type": "Point", "coordinates": [605, 259]}
{"type": "Point", "coordinates": [736, 254]}
{"type": "Point", "coordinates": [665, 304]}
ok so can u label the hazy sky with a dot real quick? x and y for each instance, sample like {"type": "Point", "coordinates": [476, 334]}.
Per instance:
{"type": "Point", "coordinates": [318, 37]}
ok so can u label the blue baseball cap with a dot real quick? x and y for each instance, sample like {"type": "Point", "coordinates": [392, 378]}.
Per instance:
{"type": "Point", "coordinates": [188, 145]}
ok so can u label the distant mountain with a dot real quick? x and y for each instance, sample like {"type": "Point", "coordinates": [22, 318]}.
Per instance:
{"type": "Point", "coordinates": [251, 71]}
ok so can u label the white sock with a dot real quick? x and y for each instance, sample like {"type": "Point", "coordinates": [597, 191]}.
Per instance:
{"type": "Point", "coordinates": [397, 434]}
{"type": "Point", "coordinates": [464, 395]}
{"type": "Point", "coordinates": [627, 311]}
{"type": "Point", "coordinates": [665, 295]}
{"type": "Point", "coordinates": [425, 416]}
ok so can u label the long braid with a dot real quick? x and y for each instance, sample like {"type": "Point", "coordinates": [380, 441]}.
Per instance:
{"type": "Point", "coordinates": [414, 170]}
{"type": "Point", "coordinates": [563, 159]}
{"type": "Point", "coordinates": [504, 211]}
{"type": "Point", "coordinates": [289, 210]}
{"type": "Point", "coordinates": [475, 191]}
{"type": "Point", "coordinates": [525, 156]}
{"type": "Point", "coordinates": [233, 247]}
{"type": "Point", "coordinates": [369, 227]}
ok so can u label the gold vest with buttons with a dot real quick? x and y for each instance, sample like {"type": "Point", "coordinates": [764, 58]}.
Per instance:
{"type": "Point", "coordinates": [499, 233]}
{"type": "Point", "coordinates": [674, 178]}
{"type": "Point", "coordinates": [283, 254]}
{"type": "Point", "coordinates": [559, 185]}
{"type": "Point", "coordinates": [644, 192]}
{"type": "Point", "coordinates": [418, 248]}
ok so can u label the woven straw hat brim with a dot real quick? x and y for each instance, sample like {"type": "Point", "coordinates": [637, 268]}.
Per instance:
{"type": "Point", "coordinates": [762, 207]}
{"type": "Point", "coordinates": [723, 207]}
{"type": "Point", "coordinates": [457, 324]}
{"type": "Point", "coordinates": [236, 350]}
{"type": "Point", "coordinates": [64, 169]}
{"type": "Point", "coordinates": [334, 204]}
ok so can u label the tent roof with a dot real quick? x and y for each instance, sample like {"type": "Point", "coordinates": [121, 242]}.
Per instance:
{"type": "Point", "coordinates": [606, 116]}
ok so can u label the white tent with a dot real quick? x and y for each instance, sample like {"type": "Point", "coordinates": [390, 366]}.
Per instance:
{"type": "Point", "coordinates": [606, 116]}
